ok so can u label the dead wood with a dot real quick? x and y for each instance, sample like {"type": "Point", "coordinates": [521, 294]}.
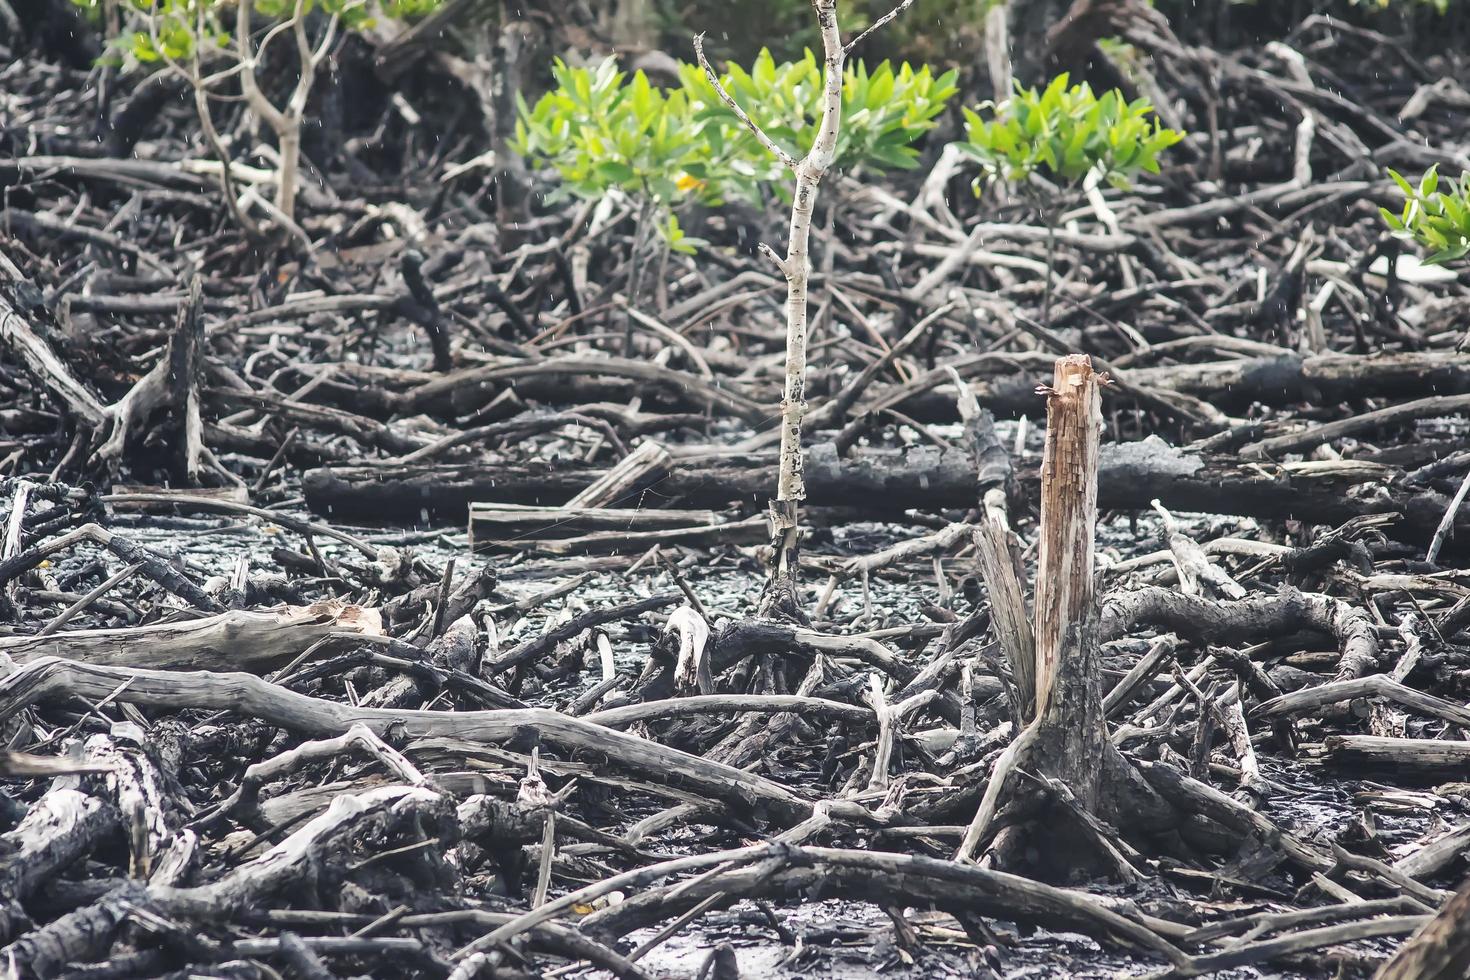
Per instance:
{"type": "Point", "coordinates": [229, 641]}
{"type": "Point", "coordinates": [265, 710]}
{"type": "Point", "coordinates": [250, 695]}
{"type": "Point", "coordinates": [1130, 476]}
{"type": "Point", "coordinates": [901, 879]}
{"type": "Point", "coordinates": [1439, 949]}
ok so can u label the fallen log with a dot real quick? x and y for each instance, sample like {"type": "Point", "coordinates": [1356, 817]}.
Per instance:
{"type": "Point", "coordinates": [251, 696]}
{"type": "Point", "coordinates": [886, 483]}
{"type": "Point", "coordinates": [1006, 385]}
{"type": "Point", "coordinates": [234, 640]}
{"type": "Point", "coordinates": [1425, 758]}
{"type": "Point", "coordinates": [60, 828]}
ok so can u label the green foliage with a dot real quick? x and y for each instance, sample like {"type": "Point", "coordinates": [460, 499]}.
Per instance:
{"type": "Point", "coordinates": [1065, 132]}
{"type": "Point", "coordinates": [884, 112]}
{"type": "Point", "coordinates": [1437, 219]}
{"type": "Point", "coordinates": [177, 30]}
{"type": "Point", "coordinates": [601, 128]}
{"type": "Point", "coordinates": [410, 10]}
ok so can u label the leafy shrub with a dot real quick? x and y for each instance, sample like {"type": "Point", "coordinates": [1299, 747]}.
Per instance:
{"type": "Point", "coordinates": [600, 128]}
{"type": "Point", "coordinates": [1065, 132]}
{"type": "Point", "coordinates": [884, 112]}
{"type": "Point", "coordinates": [1436, 219]}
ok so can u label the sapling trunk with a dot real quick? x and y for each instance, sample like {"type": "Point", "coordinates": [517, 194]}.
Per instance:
{"type": "Point", "coordinates": [797, 268]}
{"type": "Point", "coordinates": [285, 123]}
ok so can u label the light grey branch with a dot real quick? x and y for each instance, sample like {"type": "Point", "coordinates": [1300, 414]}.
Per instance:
{"type": "Point", "coordinates": [847, 48]}
{"type": "Point", "coordinates": [709, 72]}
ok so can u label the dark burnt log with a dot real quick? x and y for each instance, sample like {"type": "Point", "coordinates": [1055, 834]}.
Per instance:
{"type": "Point", "coordinates": [61, 827]}
{"type": "Point", "coordinates": [1285, 379]}
{"type": "Point", "coordinates": [1131, 476]}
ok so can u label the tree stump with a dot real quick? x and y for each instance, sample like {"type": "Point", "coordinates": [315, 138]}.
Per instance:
{"type": "Point", "coordinates": [1066, 748]}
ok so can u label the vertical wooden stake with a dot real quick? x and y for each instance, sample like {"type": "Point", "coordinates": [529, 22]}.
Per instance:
{"type": "Point", "coordinates": [1064, 590]}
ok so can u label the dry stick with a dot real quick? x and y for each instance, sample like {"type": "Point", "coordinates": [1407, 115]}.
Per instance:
{"type": "Point", "coordinates": [1374, 685]}
{"type": "Point", "coordinates": [24, 341]}
{"type": "Point", "coordinates": [594, 891]}
{"type": "Point", "coordinates": [534, 795]}
{"type": "Point", "coordinates": [211, 503]}
{"type": "Point", "coordinates": [1143, 671]}
{"type": "Point", "coordinates": [1301, 942]}
{"type": "Point", "coordinates": [1317, 435]}
{"type": "Point", "coordinates": [673, 571]}
{"type": "Point", "coordinates": [247, 794]}
{"type": "Point", "coordinates": [833, 411]}
{"type": "Point", "coordinates": [1194, 567]}
{"type": "Point", "coordinates": [632, 471]}
{"type": "Point", "coordinates": [71, 612]}
{"type": "Point", "coordinates": [1260, 922]}
{"type": "Point", "coordinates": [1240, 740]}
{"type": "Point", "coordinates": [538, 646]}
{"type": "Point", "coordinates": [1011, 622]}
{"type": "Point", "coordinates": [155, 566]}
{"type": "Point", "coordinates": [889, 715]}
{"type": "Point", "coordinates": [1434, 856]}
{"type": "Point", "coordinates": [887, 878]}
{"type": "Point", "coordinates": [940, 541]}
{"type": "Point", "coordinates": [1170, 403]}
{"type": "Point", "coordinates": [979, 827]}
{"type": "Point", "coordinates": [15, 534]}
{"type": "Point", "coordinates": [691, 666]}
{"type": "Point", "coordinates": [796, 835]}
{"type": "Point", "coordinates": [1447, 522]}
{"type": "Point", "coordinates": [1391, 877]}
{"type": "Point", "coordinates": [275, 460]}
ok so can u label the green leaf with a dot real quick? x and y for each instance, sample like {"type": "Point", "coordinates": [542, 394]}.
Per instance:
{"type": "Point", "coordinates": [1066, 131]}
{"type": "Point", "coordinates": [1435, 215]}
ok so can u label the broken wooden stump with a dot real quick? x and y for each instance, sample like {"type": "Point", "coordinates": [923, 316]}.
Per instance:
{"type": "Point", "coordinates": [1066, 744]}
